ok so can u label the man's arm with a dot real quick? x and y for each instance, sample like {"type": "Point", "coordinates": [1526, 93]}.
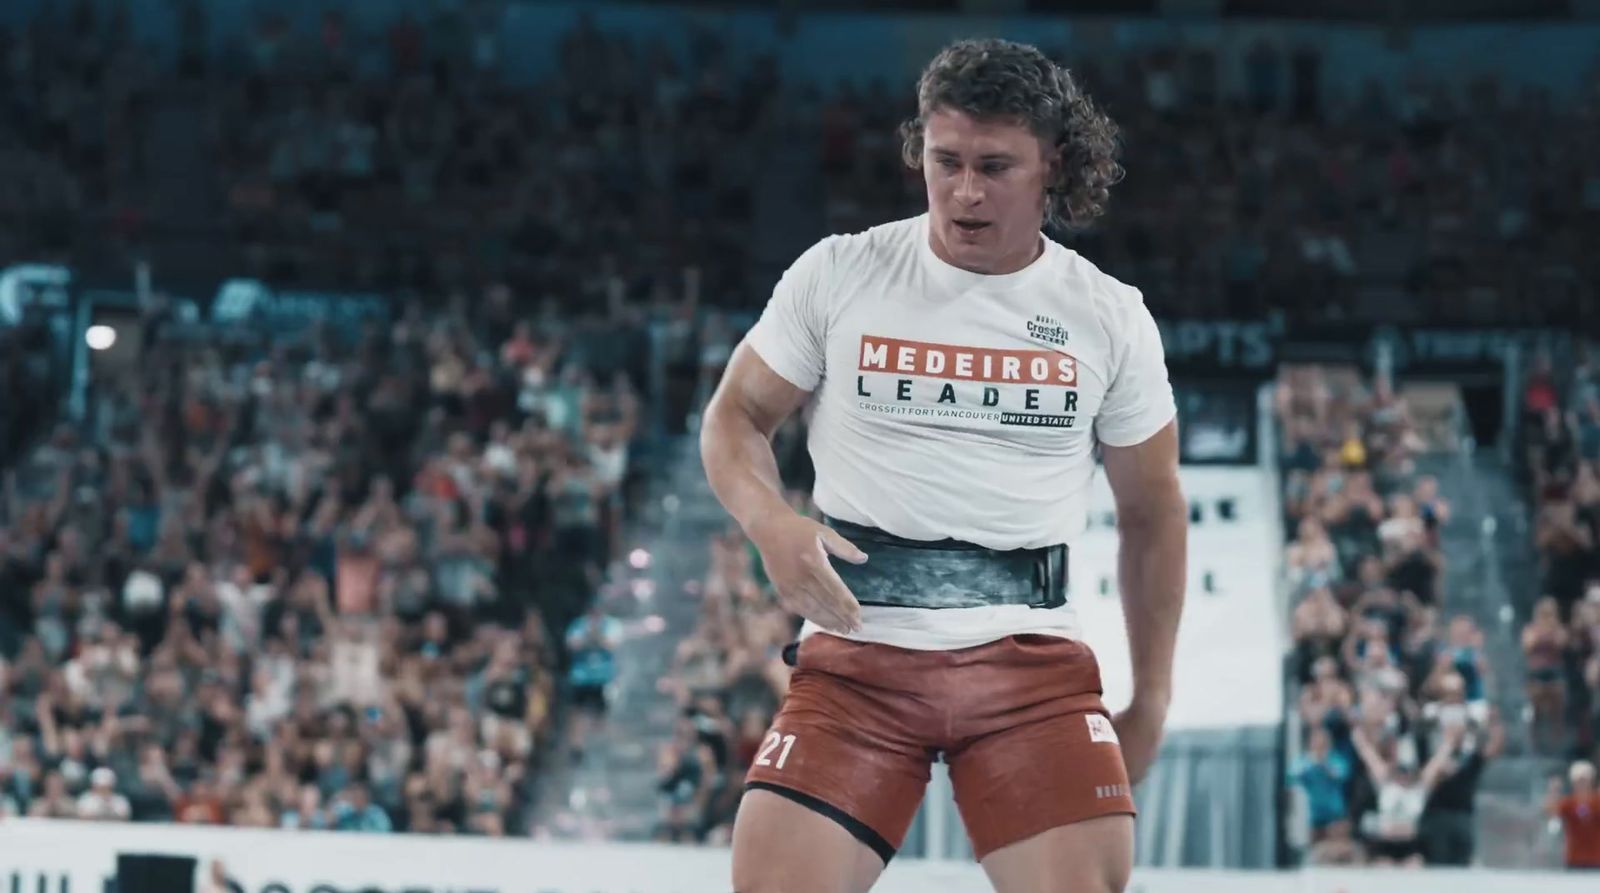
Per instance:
{"type": "Point", "coordinates": [1442, 763]}
{"type": "Point", "coordinates": [736, 432]}
{"type": "Point", "coordinates": [1497, 737]}
{"type": "Point", "coordinates": [1377, 766]}
{"type": "Point", "coordinates": [1152, 561]}
{"type": "Point", "coordinates": [1554, 802]}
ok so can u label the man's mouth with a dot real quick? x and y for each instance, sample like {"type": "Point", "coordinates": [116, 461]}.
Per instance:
{"type": "Point", "coordinates": [971, 226]}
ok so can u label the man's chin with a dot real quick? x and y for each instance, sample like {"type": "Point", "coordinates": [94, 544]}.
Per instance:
{"type": "Point", "coordinates": [974, 258]}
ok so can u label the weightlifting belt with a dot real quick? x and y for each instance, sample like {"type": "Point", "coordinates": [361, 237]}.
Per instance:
{"type": "Point", "coordinates": [902, 573]}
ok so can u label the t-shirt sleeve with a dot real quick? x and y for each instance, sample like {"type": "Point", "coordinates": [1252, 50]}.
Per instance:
{"type": "Point", "coordinates": [1139, 402]}
{"type": "Point", "coordinates": [791, 335]}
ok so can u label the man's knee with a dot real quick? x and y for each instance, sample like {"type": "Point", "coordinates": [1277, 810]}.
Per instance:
{"type": "Point", "coordinates": [1112, 877]}
{"type": "Point", "coordinates": [774, 882]}
{"type": "Point", "coordinates": [1095, 856]}
{"type": "Point", "coordinates": [780, 846]}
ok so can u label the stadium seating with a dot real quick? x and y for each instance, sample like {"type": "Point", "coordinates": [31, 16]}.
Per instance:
{"type": "Point", "coordinates": [1393, 687]}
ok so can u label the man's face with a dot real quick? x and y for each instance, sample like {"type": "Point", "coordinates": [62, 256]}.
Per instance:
{"type": "Point", "coordinates": [986, 188]}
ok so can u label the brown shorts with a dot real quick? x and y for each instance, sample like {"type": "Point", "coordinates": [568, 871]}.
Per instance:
{"type": "Point", "coordinates": [1019, 721]}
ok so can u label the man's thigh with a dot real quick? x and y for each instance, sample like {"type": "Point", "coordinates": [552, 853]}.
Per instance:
{"type": "Point", "coordinates": [1091, 856]}
{"type": "Point", "coordinates": [1018, 783]}
{"type": "Point", "coordinates": [839, 750]}
{"type": "Point", "coordinates": [780, 846]}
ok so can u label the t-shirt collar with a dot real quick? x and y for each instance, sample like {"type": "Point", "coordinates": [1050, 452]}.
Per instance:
{"type": "Point", "coordinates": [963, 280]}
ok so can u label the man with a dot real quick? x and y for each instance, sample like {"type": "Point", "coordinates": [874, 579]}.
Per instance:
{"type": "Point", "coordinates": [964, 368]}
{"type": "Point", "coordinates": [1449, 822]}
{"type": "Point", "coordinates": [1579, 813]}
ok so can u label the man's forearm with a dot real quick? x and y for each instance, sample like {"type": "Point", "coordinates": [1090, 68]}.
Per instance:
{"type": "Point", "coordinates": [740, 465]}
{"type": "Point", "coordinates": [1152, 565]}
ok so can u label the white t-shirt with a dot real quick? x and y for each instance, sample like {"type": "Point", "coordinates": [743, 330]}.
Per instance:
{"type": "Point", "coordinates": [1399, 810]}
{"type": "Point", "coordinates": [95, 805]}
{"type": "Point", "coordinates": [963, 405]}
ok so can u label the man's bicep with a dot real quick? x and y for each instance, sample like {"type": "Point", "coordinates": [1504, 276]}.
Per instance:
{"type": "Point", "coordinates": [1144, 476]}
{"type": "Point", "coordinates": [754, 389]}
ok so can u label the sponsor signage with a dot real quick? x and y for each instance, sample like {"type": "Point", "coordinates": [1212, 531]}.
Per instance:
{"type": "Point", "coordinates": [43, 856]}
{"type": "Point", "coordinates": [247, 301]}
{"type": "Point", "coordinates": [1222, 346]}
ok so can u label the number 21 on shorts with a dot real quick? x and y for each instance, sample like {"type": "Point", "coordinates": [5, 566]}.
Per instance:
{"type": "Point", "coordinates": [774, 738]}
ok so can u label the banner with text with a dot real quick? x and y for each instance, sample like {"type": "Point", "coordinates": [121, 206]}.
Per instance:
{"type": "Point", "coordinates": [42, 856]}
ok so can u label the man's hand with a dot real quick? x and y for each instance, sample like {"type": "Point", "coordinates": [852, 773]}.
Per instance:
{"type": "Point", "coordinates": [1554, 791]}
{"type": "Point", "coordinates": [1139, 730]}
{"type": "Point", "coordinates": [794, 550]}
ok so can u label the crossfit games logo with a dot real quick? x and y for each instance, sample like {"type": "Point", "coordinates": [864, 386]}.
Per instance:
{"type": "Point", "coordinates": [1048, 330]}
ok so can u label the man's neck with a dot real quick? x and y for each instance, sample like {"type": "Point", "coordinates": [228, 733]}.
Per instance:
{"type": "Point", "coordinates": [1010, 263]}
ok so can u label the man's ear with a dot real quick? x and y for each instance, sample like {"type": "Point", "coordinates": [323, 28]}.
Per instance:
{"type": "Point", "coordinates": [1052, 167]}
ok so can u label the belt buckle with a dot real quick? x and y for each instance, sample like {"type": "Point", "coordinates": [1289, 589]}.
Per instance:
{"type": "Point", "coordinates": [1047, 568]}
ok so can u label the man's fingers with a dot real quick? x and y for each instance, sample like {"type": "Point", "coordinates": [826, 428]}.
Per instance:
{"type": "Point", "coordinates": [812, 603]}
{"type": "Point", "coordinates": [827, 590]}
{"type": "Point", "coordinates": [825, 612]}
{"type": "Point", "coordinates": [838, 546]}
{"type": "Point", "coordinates": [838, 596]}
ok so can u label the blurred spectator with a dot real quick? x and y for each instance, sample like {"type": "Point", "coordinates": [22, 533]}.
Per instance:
{"type": "Point", "coordinates": [53, 802]}
{"type": "Point", "coordinates": [1324, 772]}
{"type": "Point", "coordinates": [307, 811]}
{"type": "Point", "coordinates": [1319, 627]}
{"type": "Point", "coordinates": [355, 811]}
{"type": "Point", "coordinates": [687, 779]}
{"type": "Point", "coordinates": [1468, 743]}
{"type": "Point", "coordinates": [1544, 646]}
{"type": "Point", "coordinates": [1393, 829]}
{"type": "Point", "coordinates": [592, 641]}
{"type": "Point", "coordinates": [1579, 815]}
{"type": "Point", "coordinates": [102, 801]}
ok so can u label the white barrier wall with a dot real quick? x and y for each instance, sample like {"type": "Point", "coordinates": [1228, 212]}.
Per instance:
{"type": "Point", "coordinates": [40, 856]}
{"type": "Point", "coordinates": [1231, 643]}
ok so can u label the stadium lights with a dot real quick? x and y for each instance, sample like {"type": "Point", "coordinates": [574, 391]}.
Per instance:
{"type": "Point", "coordinates": [100, 337]}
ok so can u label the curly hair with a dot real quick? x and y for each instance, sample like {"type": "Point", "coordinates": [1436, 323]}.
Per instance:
{"type": "Point", "coordinates": [990, 79]}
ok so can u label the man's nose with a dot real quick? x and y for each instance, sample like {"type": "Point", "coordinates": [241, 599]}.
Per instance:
{"type": "Point", "coordinates": [969, 188]}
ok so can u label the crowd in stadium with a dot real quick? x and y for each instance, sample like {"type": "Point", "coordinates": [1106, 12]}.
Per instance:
{"type": "Point", "coordinates": [402, 159]}
{"type": "Point", "coordinates": [1560, 447]}
{"type": "Point", "coordinates": [341, 583]}
{"type": "Point", "coordinates": [309, 582]}
{"type": "Point", "coordinates": [1392, 202]}
{"type": "Point", "coordinates": [1396, 723]}
{"type": "Point", "coordinates": [397, 160]}
{"type": "Point", "coordinates": [728, 677]}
